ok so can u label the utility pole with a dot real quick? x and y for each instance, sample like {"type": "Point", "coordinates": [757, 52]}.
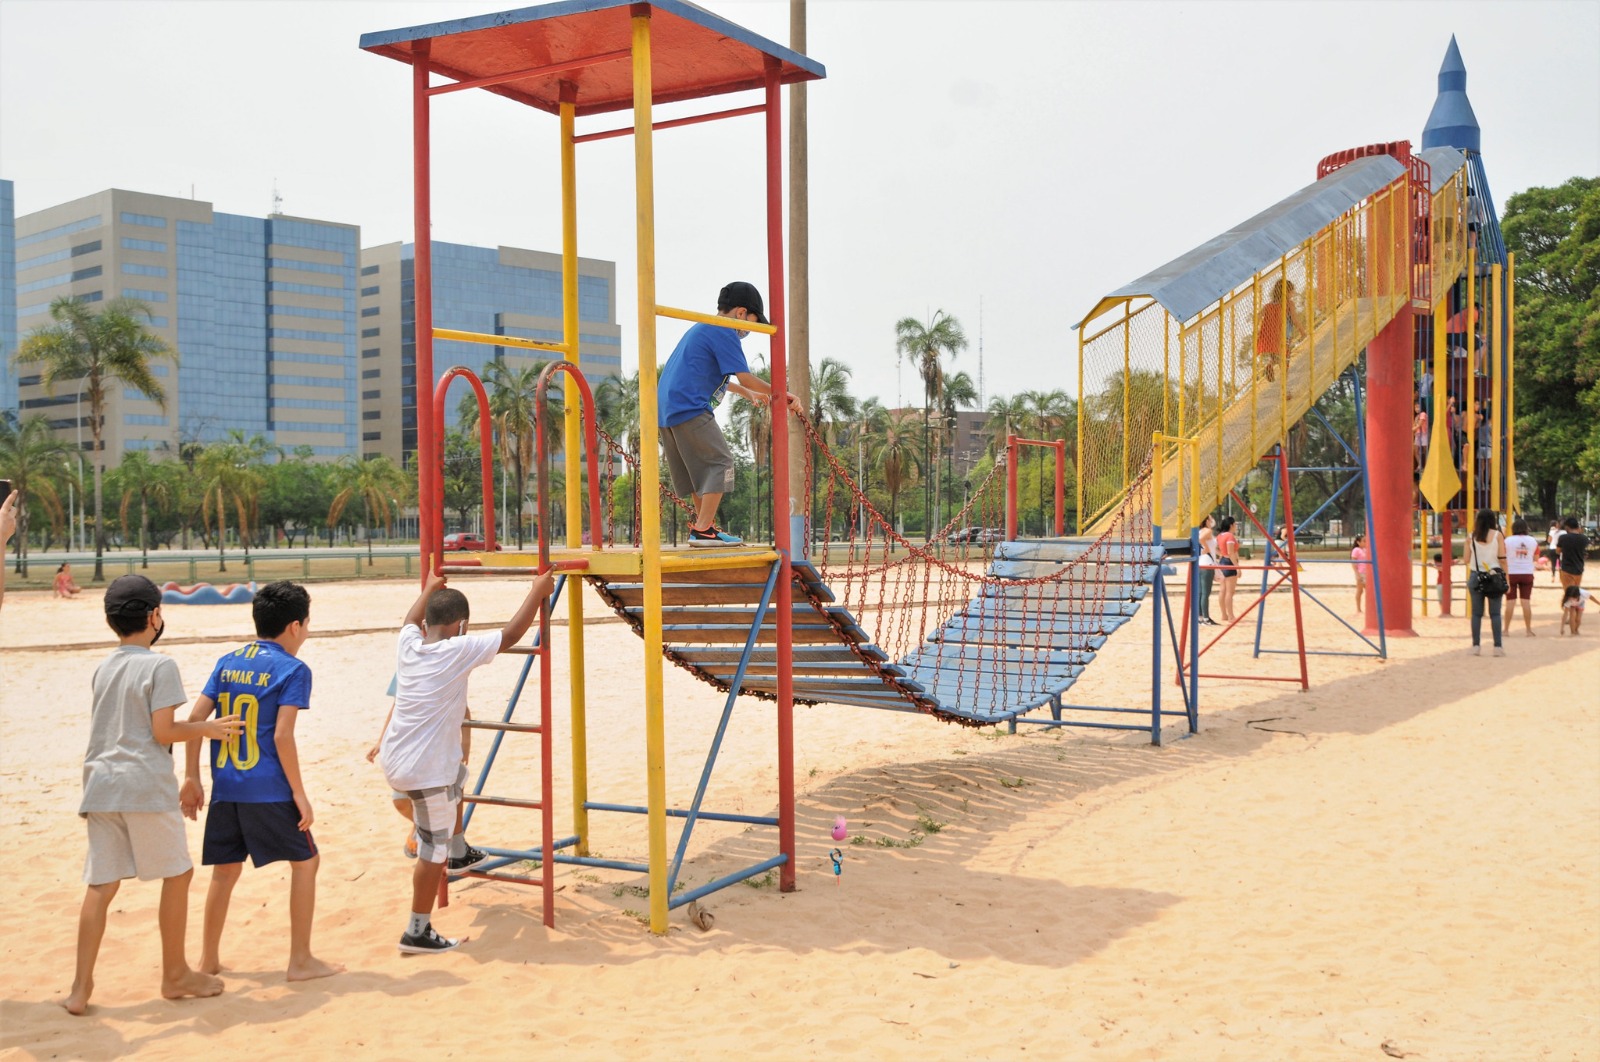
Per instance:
{"type": "Point", "coordinates": [798, 324]}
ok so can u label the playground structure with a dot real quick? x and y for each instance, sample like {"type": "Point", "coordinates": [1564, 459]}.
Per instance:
{"type": "Point", "coordinates": [206, 594]}
{"type": "Point", "coordinates": [977, 636]}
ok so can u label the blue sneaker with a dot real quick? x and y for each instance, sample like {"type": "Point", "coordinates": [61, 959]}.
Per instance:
{"type": "Point", "coordinates": [712, 537]}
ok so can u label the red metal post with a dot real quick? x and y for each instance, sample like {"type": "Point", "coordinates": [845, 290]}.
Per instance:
{"type": "Point", "coordinates": [1013, 456]}
{"type": "Point", "coordinates": [1061, 487]}
{"type": "Point", "coordinates": [782, 505]}
{"type": "Point", "coordinates": [485, 441]}
{"type": "Point", "coordinates": [1390, 388]}
{"type": "Point", "coordinates": [430, 528]}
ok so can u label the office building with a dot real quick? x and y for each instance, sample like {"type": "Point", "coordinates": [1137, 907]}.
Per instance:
{"type": "Point", "coordinates": [506, 291]}
{"type": "Point", "coordinates": [8, 297]}
{"type": "Point", "coordinates": [262, 313]}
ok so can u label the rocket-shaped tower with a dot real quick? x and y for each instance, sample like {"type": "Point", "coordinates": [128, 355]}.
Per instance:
{"type": "Point", "coordinates": [1452, 124]}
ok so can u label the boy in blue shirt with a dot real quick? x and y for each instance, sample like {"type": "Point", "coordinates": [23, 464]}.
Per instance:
{"type": "Point", "coordinates": [707, 361]}
{"type": "Point", "coordinates": [259, 807]}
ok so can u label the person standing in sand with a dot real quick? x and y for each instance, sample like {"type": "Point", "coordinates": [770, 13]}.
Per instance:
{"type": "Point", "coordinates": [1574, 546]}
{"type": "Point", "coordinates": [1227, 565]}
{"type": "Point", "coordinates": [1484, 551]}
{"type": "Point", "coordinates": [259, 807]}
{"type": "Point", "coordinates": [1358, 561]}
{"type": "Point", "coordinates": [1521, 551]}
{"type": "Point", "coordinates": [130, 798]}
{"type": "Point", "coordinates": [1207, 563]}
{"type": "Point", "coordinates": [421, 747]}
{"type": "Point", "coordinates": [1553, 536]}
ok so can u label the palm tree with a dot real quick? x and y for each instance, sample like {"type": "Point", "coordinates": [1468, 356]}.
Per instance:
{"type": "Point", "coordinates": [617, 402]}
{"type": "Point", "coordinates": [959, 393]}
{"type": "Point", "coordinates": [894, 451]}
{"type": "Point", "coordinates": [229, 471]}
{"type": "Point", "coordinates": [381, 485]}
{"type": "Point", "coordinates": [513, 393]}
{"type": "Point", "coordinates": [1048, 411]}
{"type": "Point", "coordinates": [30, 457]}
{"type": "Point", "coordinates": [97, 350]}
{"type": "Point", "coordinates": [923, 345]}
{"type": "Point", "coordinates": [831, 402]}
{"type": "Point", "coordinates": [149, 482]}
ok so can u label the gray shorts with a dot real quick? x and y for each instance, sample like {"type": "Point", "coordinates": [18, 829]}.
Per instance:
{"type": "Point", "coordinates": [461, 783]}
{"type": "Point", "coordinates": [434, 813]}
{"type": "Point", "coordinates": [698, 456]}
{"type": "Point", "coordinates": [144, 844]}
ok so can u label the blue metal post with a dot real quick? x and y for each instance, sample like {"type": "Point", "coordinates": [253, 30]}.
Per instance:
{"type": "Point", "coordinates": [1272, 519]}
{"type": "Point", "coordinates": [1158, 594]}
{"type": "Point", "coordinates": [1372, 552]}
{"type": "Point", "coordinates": [1193, 620]}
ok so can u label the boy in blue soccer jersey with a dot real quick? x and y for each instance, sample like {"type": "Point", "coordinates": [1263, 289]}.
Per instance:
{"type": "Point", "coordinates": [707, 360]}
{"type": "Point", "coordinates": [259, 806]}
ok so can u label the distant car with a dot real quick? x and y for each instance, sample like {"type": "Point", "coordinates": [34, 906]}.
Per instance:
{"type": "Point", "coordinates": [466, 541]}
{"type": "Point", "coordinates": [966, 534]}
{"type": "Point", "coordinates": [991, 534]}
{"type": "Point", "coordinates": [1307, 536]}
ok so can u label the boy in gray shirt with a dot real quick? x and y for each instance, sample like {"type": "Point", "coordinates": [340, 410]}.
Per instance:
{"type": "Point", "coordinates": [130, 796]}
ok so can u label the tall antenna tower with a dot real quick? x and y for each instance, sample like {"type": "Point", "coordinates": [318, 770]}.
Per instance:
{"type": "Point", "coordinates": [982, 401]}
{"type": "Point", "coordinates": [277, 200]}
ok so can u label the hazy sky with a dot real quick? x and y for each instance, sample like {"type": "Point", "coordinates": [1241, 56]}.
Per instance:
{"type": "Point", "coordinates": [1033, 154]}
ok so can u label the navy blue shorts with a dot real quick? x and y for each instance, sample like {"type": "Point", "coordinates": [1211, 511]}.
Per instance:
{"type": "Point", "coordinates": [264, 832]}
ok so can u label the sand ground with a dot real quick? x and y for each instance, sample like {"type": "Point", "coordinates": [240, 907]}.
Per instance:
{"type": "Point", "coordinates": [1402, 862]}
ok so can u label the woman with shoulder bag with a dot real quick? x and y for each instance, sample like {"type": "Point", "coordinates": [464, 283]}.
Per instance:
{"type": "Point", "coordinates": [1484, 557]}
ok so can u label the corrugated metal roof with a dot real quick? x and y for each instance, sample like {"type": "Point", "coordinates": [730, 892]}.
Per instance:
{"type": "Point", "coordinates": [1443, 162]}
{"type": "Point", "coordinates": [694, 53]}
{"type": "Point", "coordinates": [1187, 285]}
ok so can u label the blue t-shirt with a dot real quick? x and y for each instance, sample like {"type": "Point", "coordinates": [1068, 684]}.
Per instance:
{"type": "Point", "coordinates": [254, 682]}
{"type": "Point", "coordinates": [697, 370]}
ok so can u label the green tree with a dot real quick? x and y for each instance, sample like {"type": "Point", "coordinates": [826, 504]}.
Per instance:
{"type": "Point", "coordinates": [1555, 234]}
{"type": "Point", "coordinates": [31, 457]}
{"type": "Point", "coordinates": [958, 393]}
{"type": "Point", "coordinates": [97, 350]}
{"type": "Point", "coordinates": [294, 495]}
{"type": "Point", "coordinates": [895, 453]}
{"type": "Point", "coordinates": [230, 472]}
{"type": "Point", "coordinates": [832, 404]}
{"type": "Point", "coordinates": [752, 425]}
{"type": "Point", "coordinates": [151, 483]}
{"type": "Point", "coordinates": [513, 393]}
{"type": "Point", "coordinates": [463, 475]}
{"type": "Point", "coordinates": [380, 485]}
{"type": "Point", "coordinates": [923, 345]}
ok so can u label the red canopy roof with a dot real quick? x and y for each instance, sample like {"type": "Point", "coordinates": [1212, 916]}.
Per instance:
{"type": "Point", "coordinates": [693, 53]}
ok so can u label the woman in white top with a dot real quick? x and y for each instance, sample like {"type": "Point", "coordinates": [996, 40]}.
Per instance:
{"type": "Point", "coordinates": [1522, 549]}
{"type": "Point", "coordinates": [1208, 567]}
{"type": "Point", "coordinates": [1483, 551]}
{"type": "Point", "coordinates": [1551, 552]}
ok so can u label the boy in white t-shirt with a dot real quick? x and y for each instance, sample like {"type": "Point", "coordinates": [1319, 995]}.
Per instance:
{"type": "Point", "coordinates": [421, 747]}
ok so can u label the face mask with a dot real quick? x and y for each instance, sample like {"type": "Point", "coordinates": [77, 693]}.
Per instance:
{"type": "Point", "coordinates": [159, 632]}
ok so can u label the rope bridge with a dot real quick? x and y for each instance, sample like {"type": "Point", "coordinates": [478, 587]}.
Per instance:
{"type": "Point", "coordinates": [972, 632]}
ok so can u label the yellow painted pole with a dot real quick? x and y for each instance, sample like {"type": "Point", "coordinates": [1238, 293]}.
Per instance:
{"type": "Point", "coordinates": [1255, 374]}
{"type": "Point", "coordinates": [1158, 470]}
{"type": "Point", "coordinates": [1127, 396]}
{"type": "Point", "coordinates": [1470, 413]}
{"type": "Point", "coordinates": [1166, 381]}
{"type": "Point", "coordinates": [1183, 373]}
{"type": "Point", "coordinates": [1511, 377]}
{"type": "Point", "coordinates": [649, 473]}
{"type": "Point", "coordinates": [569, 334]}
{"type": "Point", "coordinates": [1078, 486]}
{"type": "Point", "coordinates": [1193, 452]}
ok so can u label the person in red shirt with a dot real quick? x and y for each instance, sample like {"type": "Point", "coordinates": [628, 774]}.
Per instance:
{"type": "Point", "coordinates": [1277, 316]}
{"type": "Point", "coordinates": [1227, 565]}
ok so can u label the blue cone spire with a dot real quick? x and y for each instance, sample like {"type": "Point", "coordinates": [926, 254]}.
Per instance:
{"type": "Point", "coordinates": [1452, 123]}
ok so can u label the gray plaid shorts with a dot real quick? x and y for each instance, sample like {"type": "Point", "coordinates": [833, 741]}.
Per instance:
{"type": "Point", "coordinates": [434, 812]}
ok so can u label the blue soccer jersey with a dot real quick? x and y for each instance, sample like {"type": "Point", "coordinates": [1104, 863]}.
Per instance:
{"type": "Point", "coordinates": [254, 682]}
{"type": "Point", "coordinates": [696, 372]}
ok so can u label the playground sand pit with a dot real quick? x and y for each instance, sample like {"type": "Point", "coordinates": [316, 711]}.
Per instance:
{"type": "Point", "coordinates": [1402, 862]}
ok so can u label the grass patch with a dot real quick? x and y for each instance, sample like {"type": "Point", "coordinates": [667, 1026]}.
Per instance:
{"type": "Point", "coordinates": [928, 824]}
{"type": "Point", "coordinates": [765, 881]}
{"type": "Point", "coordinates": [910, 842]}
{"type": "Point", "coordinates": [1009, 784]}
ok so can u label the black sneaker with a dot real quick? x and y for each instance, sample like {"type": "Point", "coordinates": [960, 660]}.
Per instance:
{"type": "Point", "coordinates": [467, 860]}
{"type": "Point", "coordinates": [426, 943]}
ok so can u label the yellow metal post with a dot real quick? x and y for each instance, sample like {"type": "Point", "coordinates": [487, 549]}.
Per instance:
{"type": "Point", "coordinates": [649, 473]}
{"type": "Point", "coordinates": [1511, 377]}
{"type": "Point", "coordinates": [1474, 497]}
{"type": "Point", "coordinates": [569, 335]}
{"type": "Point", "coordinates": [1127, 391]}
{"type": "Point", "coordinates": [1078, 486]}
{"type": "Point", "coordinates": [1157, 471]}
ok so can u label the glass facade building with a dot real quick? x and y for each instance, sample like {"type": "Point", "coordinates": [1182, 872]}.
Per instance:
{"type": "Point", "coordinates": [8, 296]}
{"type": "Point", "coordinates": [261, 312]}
{"type": "Point", "coordinates": [500, 291]}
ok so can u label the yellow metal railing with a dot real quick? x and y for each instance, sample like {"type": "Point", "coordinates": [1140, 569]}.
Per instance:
{"type": "Point", "coordinates": [1224, 385]}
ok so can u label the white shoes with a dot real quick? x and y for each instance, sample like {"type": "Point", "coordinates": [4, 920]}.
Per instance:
{"type": "Point", "coordinates": [1499, 651]}
{"type": "Point", "coordinates": [1477, 650]}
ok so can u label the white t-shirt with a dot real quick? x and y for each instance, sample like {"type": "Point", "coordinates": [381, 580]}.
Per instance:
{"type": "Point", "coordinates": [1578, 602]}
{"type": "Point", "coordinates": [1520, 552]}
{"type": "Point", "coordinates": [1484, 556]}
{"type": "Point", "coordinates": [421, 749]}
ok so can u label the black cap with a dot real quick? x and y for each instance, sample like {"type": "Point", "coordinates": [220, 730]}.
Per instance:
{"type": "Point", "coordinates": [742, 293]}
{"type": "Point", "coordinates": [131, 595]}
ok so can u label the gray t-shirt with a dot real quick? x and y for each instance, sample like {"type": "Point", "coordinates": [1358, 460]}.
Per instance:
{"type": "Point", "coordinates": [125, 768]}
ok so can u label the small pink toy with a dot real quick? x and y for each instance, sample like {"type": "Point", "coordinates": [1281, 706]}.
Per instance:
{"type": "Point", "coordinates": [839, 829]}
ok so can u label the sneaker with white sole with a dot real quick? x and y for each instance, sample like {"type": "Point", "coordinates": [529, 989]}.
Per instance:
{"type": "Point", "coordinates": [712, 537]}
{"type": "Point", "coordinates": [427, 942]}
{"type": "Point", "coordinates": [467, 860]}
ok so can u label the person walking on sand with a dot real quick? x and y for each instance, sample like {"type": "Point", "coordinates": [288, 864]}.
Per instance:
{"type": "Point", "coordinates": [1573, 601]}
{"type": "Point", "coordinates": [1482, 553]}
{"type": "Point", "coordinates": [1552, 537]}
{"type": "Point", "coordinates": [259, 806]}
{"type": "Point", "coordinates": [1522, 549]}
{"type": "Point", "coordinates": [708, 361]}
{"type": "Point", "coordinates": [1573, 544]}
{"type": "Point", "coordinates": [130, 798]}
{"type": "Point", "coordinates": [1227, 565]}
{"type": "Point", "coordinates": [1207, 563]}
{"type": "Point", "coordinates": [1358, 561]}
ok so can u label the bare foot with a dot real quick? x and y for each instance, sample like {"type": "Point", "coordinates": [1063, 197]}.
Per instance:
{"type": "Point", "coordinates": [210, 966]}
{"type": "Point", "coordinates": [77, 1001]}
{"type": "Point", "coordinates": [192, 983]}
{"type": "Point", "coordinates": [313, 968]}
